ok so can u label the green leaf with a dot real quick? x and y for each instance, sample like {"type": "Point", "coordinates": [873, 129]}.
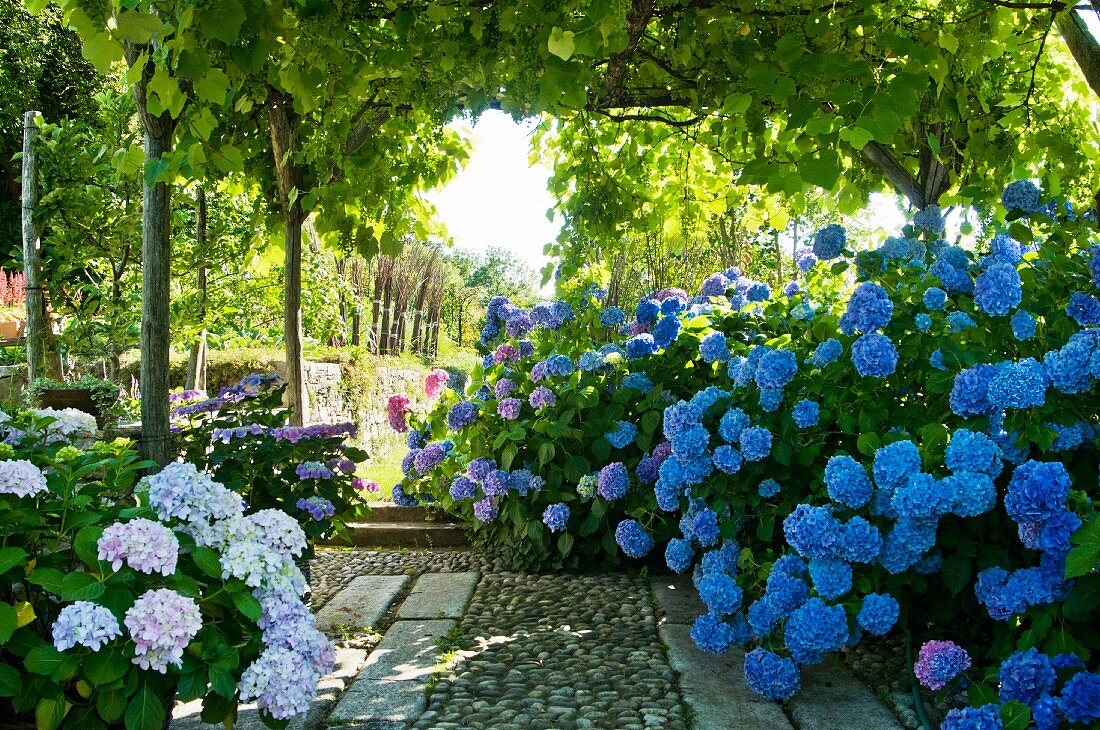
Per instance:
{"type": "Point", "coordinates": [86, 545]}
{"type": "Point", "coordinates": [106, 665]}
{"type": "Point", "coordinates": [137, 27]}
{"type": "Point", "coordinates": [565, 543]}
{"type": "Point", "coordinates": [222, 682]}
{"type": "Point", "coordinates": [546, 453]}
{"type": "Point", "coordinates": [11, 557]}
{"type": "Point", "coordinates": [192, 686]}
{"type": "Point", "coordinates": [43, 659]}
{"type": "Point", "coordinates": [145, 711]}
{"type": "Point", "coordinates": [1083, 597]}
{"type": "Point", "coordinates": [208, 561]}
{"type": "Point", "coordinates": [856, 136]}
{"type": "Point", "coordinates": [221, 20]}
{"type": "Point", "coordinates": [956, 572]}
{"type": "Point", "coordinates": [9, 621]}
{"type": "Point", "coordinates": [1015, 716]}
{"type": "Point", "coordinates": [48, 578]}
{"type": "Point", "coordinates": [868, 443]}
{"type": "Point", "coordinates": [102, 50]}
{"type": "Point", "coordinates": [80, 587]}
{"type": "Point", "coordinates": [247, 605]}
{"type": "Point", "coordinates": [111, 705]}
{"type": "Point", "coordinates": [1081, 560]}
{"type": "Point", "coordinates": [822, 171]}
{"type": "Point", "coordinates": [11, 681]}
{"type": "Point", "coordinates": [561, 43]}
{"type": "Point", "coordinates": [49, 713]}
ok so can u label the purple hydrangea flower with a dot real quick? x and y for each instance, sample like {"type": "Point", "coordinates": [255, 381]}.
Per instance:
{"type": "Point", "coordinates": [144, 545]}
{"type": "Point", "coordinates": [938, 662]}
{"type": "Point", "coordinates": [161, 624]}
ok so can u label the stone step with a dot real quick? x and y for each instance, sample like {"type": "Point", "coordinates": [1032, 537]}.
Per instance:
{"type": "Point", "coordinates": [407, 534]}
{"type": "Point", "coordinates": [383, 511]}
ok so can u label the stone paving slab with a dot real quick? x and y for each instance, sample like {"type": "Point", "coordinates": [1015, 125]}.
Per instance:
{"type": "Point", "coordinates": [391, 688]}
{"type": "Point", "coordinates": [715, 688]}
{"type": "Point", "coordinates": [362, 603]}
{"type": "Point", "coordinates": [832, 698]}
{"type": "Point", "coordinates": [439, 595]}
{"type": "Point", "coordinates": [348, 664]}
{"type": "Point", "coordinates": [678, 599]}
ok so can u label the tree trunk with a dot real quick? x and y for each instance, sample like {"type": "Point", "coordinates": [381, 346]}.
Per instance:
{"type": "Point", "coordinates": [156, 271]}
{"type": "Point", "coordinates": [196, 362]}
{"type": "Point", "coordinates": [42, 359]}
{"type": "Point", "coordinates": [384, 333]}
{"type": "Point", "coordinates": [285, 144]}
{"type": "Point", "coordinates": [376, 309]}
{"type": "Point", "coordinates": [1082, 44]}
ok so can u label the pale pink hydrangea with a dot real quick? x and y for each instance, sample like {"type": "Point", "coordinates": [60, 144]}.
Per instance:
{"type": "Point", "coordinates": [144, 545]}
{"type": "Point", "coordinates": [436, 382]}
{"type": "Point", "coordinates": [397, 407]}
{"type": "Point", "coordinates": [161, 624]}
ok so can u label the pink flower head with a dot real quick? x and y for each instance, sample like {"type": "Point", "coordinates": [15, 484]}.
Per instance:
{"type": "Point", "coordinates": [436, 382]}
{"type": "Point", "coordinates": [939, 662]}
{"type": "Point", "coordinates": [397, 407]}
{"type": "Point", "coordinates": [364, 484]}
{"type": "Point", "coordinates": [505, 353]}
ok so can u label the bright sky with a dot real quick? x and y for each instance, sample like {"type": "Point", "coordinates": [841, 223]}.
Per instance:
{"type": "Point", "coordinates": [498, 199]}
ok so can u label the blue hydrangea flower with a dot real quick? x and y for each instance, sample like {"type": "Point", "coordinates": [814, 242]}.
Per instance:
{"type": "Point", "coordinates": [1020, 384]}
{"type": "Point", "coordinates": [924, 496]}
{"type": "Point", "coordinates": [1069, 368]}
{"type": "Point", "coordinates": [770, 675]}
{"type": "Point", "coordinates": [756, 443]}
{"type": "Point", "coordinates": [1025, 677]}
{"type": "Point", "coordinates": [1023, 325]}
{"type": "Point", "coordinates": [954, 278]}
{"type": "Point", "coordinates": [923, 322]}
{"type": "Point", "coordinates": [1006, 249]}
{"type": "Point", "coordinates": [647, 311]}
{"type": "Point", "coordinates": [826, 353]}
{"type": "Point", "coordinates": [612, 317]}
{"type": "Point", "coordinates": [589, 361]}
{"type": "Point", "coordinates": [869, 310]}
{"type": "Point", "coordinates": [829, 242]}
{"type": "Point", "coordinates": [986, 717]}
{"type": "Point", "coordinates": [770, 399]}
{"type": "Point", "coordinates": [1021, 195]}
{"type": "Point", "coordinates": [613, 481]}
{"type": "Point", "coordinates": [1084, 308]}
{"type": "Point", "coordinates": [935, 298]}
{"type": "Point", "coordinates": [998, 290]}
{"type": "Point", "coordinates": [776, 368]}
{"type": "Point", "coordinates": [813, 532]}
{"type": "Point", "coordinates": [959, 321]}
{"type": "Point", "coordinates": [930, 219]}
{"type": "Point", "coordinates": [713, 348]}
{"type": "Point", "coordinates": [878, 613]}
{"type": "Point", "coordinates": [714, 285]}
{"type": "Point", "coordinates": [556, 516]}
{"type": "Point", "coordinates": [936, 360]}
{"type": "Point", "coordinates": [895, 463]}
{"type": "Point", "coordinates": [806, 413]}
{"type": "Point", "coordinates": [1080, 700]}
{"type": "Point", "coordinates": [665, 331]}
{"type": "Point", "coordinates": [758, 292]}
{"type": "Point", "coordinates": [641, 345]}
{"type": "Point", "coordinates": [638, 381]}
{"type": "Point", "coordinates": [831, 577]}
{"type": "Point", "coordinates": [712, 634]}
{"type": "Point", "coordinates": [463, 487]}
{"type": "Point", "coordinates": [622, 435]}
{"type": "Point", "coordinates": [733, 422]}
{"type": "Point", "coordinates": [727, 459]}
{"type": "Point", "coordinates": [860, 541]}
{"type": "Point", "coordinates": [815, 629]}
{"type": "Point", "coordinates": [969, 395]}
{"type": "Point", "coordinates": [972, 451]}
{"type": "Point", "coordinates": [633, 539]}
{"type": "Point", "coordinates": [847, 481]}
{"type": "Point", "coordinates": [462, 414]}
{"type": "Point", "coordinates": [720, 594]}
{"type": "Point", "coordinates": [1037, 491]}
{"type": "Point", "coordinates": [768, 488]}
{"type": "Point", "coordinates": [679, 554]}
{"type": "Point", "coordinates": [874, 355]}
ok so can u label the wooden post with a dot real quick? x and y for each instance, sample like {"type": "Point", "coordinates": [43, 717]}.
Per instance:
{"type": "Point", "coordinates": [285, 144]}
{"type": "Point", "coordinates": [39, 362]}
{"type": "Point", "coordinates": [196, 362]}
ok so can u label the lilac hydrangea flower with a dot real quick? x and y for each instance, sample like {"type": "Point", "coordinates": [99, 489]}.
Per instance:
{"type": "Point", "coordinates": [509, 408]}
{"type": "Point", "coordinates": [462, 414]}
{"type": "Point", "coordinates": [938, 662]}
{"type": "Point", "coordinates": [317, 470]}
{"type": "Point", "coordinates": [144, 545]}
{"type": "Point", "coordinates": [318, 507]}
{"type": "Point", "coordinates": [84, 623]}
{"type": "Point", "coordinates": [161, 624]}
{"type": "Point", "coordinates": [542, 396]}
{"type": "Point", "coordinates": [21, 478]}
{"type": "Point", "coordinates": [613, 481]}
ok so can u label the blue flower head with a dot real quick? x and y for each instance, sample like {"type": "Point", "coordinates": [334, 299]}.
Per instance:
{"type": "Point", "coordinates": [829, 242]}
{"type": "Point", "coordinates": [874, 355]}
{"type": "Point", "coordinates": [647, 311]}
{"type": "Point", "coordinates": [1025, 677]}
{"type": "Point", "coordinates": [935, 298]}
{"type": "Point", "coordinates": [832, 577]}
{"type": "Point", "coordinates": [679, 554]}
{"type": "Point", "coordinates": [826, 353]}
{"type": "Point", "coordinates": [770, 399]}
{"type": "Point", "coordinates": [847, 482]}
{"type": "Point", "coordinates": [770, 675]}
{"type": "Point", "coordinates": [756, 443]}
{"type": "Point", "coordinates": [958, 321]}
{"type": "Point", "coordinates": [776, 368]}
{"type": "Point", "coordinates": [969, 395]}
{"type": "Point", "coordinates": [633, 539]}
{"type": "Point", "coordinates": [806, 413]}
{"type": "Point", "coordinates": [1084, 308]}
{"type": "Point", "coordinates": [895, 463]}
{"type": "Point", "coordinates": [1006, 249]}
{"type": "Point", "coordinates": [622, 435]}
{"type": "Point", "coordinates": [612, 317]}
{"type": "Point", "coordinates": [713, 348]}
{"type": "Point", "coordinates": [768, 488]}
{"type": "Point", "coordinates": [666, 331]}
{"type": "Point", "coordinates": [923, 322]}
{"type": "Point", "coordinates": [815, 629]}
{"type": "Point", "coordinates": [1021, 195]}
{"type": "Point", "coordinates": [1023, 325]}
{"type": "Point", "coordinates": [869, 310]}
{"type": "Point", "coordinates": [1020, 384]}
{"type": "Point", "coordinates": [878, 613]}
{"type": "Point", "coordinates": [998, 290]}
{"type": "Point", "coordinates": [727, 459]}
{"type": "Point", "coordinates": [733, 422]}
{"type": "Point", "coordinates": [972, 451]}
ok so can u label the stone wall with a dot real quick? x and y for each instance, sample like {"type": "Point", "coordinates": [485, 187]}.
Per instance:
{"type": "Point", "coordinates": [334, 398]}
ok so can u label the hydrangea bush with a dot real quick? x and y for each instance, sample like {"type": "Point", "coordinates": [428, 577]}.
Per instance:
{"type": "Point", "coordinates": [118, 593]}
{"type": "Point", "coordinates": [902, 440]}
{"type": "Point", "coordinates": [242, 439]}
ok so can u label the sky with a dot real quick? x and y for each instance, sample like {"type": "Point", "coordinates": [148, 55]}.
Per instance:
{"type": "Point", "coordinates": [498, 199]}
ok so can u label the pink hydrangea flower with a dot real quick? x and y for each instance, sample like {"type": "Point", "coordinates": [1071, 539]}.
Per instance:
{"type": "Point", "coordinates": [397, 407]}
{"type": "Point", "coordinates": [144, 545]}
{"type": "Point", "coordinates": [436, 382]}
